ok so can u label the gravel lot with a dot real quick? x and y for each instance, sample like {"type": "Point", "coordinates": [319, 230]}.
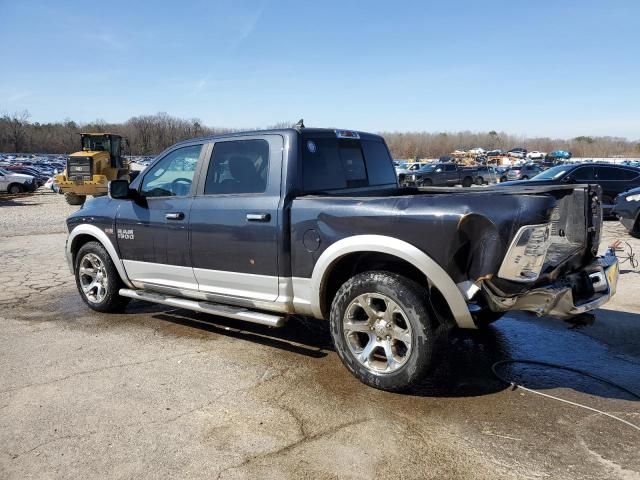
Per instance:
{"type": "Point", "coordinates": [159, 393]}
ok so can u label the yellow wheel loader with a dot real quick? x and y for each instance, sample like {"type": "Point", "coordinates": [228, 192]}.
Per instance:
{"type": "Point", "coordinates": [89, 171]}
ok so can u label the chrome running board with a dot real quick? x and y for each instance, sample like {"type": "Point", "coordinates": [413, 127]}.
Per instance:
{"type": "Point", "coordinates": [228, 311]}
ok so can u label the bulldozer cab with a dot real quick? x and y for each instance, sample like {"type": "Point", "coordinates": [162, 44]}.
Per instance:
{"type": "Point", "coordinates": [105, 142]}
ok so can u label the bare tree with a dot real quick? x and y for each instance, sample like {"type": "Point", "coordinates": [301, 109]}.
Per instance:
{"type": "Point", "coordinates": [16, 130]}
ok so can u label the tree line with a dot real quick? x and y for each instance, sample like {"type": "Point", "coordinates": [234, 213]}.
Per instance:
{"type": "Point", "coordinates": [150, 134]}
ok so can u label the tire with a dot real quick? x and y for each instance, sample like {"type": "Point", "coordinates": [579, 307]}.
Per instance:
{"type": "Point", "coordinates": [467, 181]}
{"type": "Point", "coordinates": [484, 318]}
{"type": "Point", "coordinates": [525, 178]}
{"type": "Point", "coordinates": [74, 199]}
{"type": "Point", "coordinates": [399, 355]}
{"type": "Point", "coordinates": [635, 231]}
{"type": "Point", "coordinates": [97, 279]}
{"type": "Point", "coordinates": [15, 188]}
{"type": "Point", "coordinates": [503, 179]}
{"type": "Point", "coordinates": [427, 182]}
{"type": "Point", "coordinates": [479, 181]}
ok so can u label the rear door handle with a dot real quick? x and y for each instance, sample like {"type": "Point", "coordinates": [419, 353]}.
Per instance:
{"type": "Point", "coordinates": [174, 216]}
{"type": "Point", "coordinates": [258, 217]}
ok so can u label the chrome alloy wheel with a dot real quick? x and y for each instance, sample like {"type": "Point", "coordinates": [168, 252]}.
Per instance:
{"type": "Point", "coordinates": [93, 278]}
{"type": "Point", "coordinates": [377, 332]}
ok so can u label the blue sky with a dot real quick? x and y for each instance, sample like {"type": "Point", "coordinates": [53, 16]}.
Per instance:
{"type": "Point", "coordinates": [553, 68]}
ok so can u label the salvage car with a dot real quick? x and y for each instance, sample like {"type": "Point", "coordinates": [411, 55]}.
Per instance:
{"type": "Point", "coordinates": [442, 174]}
{"type": "Point", "coordinates": [613, 179]}
{"type": "Point", "coordinates": [536, 155]}
{"type": "Point", "coordinates": [259, 226]}
{"type": "Point", "coordinates": [521, 172]}
{"type": "Point", "coordinates": [627, 209]}
{"type": "Point", "coordinates": [14, 183]}
{"type": "Point", "coordinates": [518, 152]}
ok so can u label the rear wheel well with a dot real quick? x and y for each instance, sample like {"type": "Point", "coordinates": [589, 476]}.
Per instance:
{"type": "Point", "coordinates": [354, 263]}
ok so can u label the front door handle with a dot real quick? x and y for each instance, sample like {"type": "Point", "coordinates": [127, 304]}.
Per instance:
{"type": "Point", "coordinates": [174, 216]}
{"type": "Point", "coordinates": [258, 217]}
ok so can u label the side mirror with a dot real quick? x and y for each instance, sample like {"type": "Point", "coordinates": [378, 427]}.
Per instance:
{"type": "Point", "coordinates": [568, 179]}
{"type": "Point", "coordinates": [438, 170]}
{"type": "Point", "coordinates": [119, 189]}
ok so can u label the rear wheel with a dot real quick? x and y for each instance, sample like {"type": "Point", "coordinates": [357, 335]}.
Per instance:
{"type": "Point", "coordinates": [467, 181]}
{"type": "Point", "coordinates": [74, 198]}
{"type": "Point", "coordinates": [382, 329]}
{"type": "Point", "coordinates": [479, 181]}
{"type": "Point", "coordinates": [97, 279]}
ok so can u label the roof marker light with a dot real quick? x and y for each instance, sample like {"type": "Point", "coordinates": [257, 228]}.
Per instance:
{"type": "Point", "coordinates": [347, 134]}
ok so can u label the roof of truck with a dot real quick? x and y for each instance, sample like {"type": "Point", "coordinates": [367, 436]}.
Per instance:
{"type": "Point", "coordinates": [283, 131]}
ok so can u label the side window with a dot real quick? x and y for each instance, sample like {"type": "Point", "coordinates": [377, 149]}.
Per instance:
{"type": "Point", "coordinates": [450, 168]}
{"type": "Point", "coordinates": [172, 175]}
{"type": "Point", "coordinates": [612, 173]}
{"type": "Point", "coordinates": [582, 174]}
{"type": "Point", "coordinates": [238, 166]}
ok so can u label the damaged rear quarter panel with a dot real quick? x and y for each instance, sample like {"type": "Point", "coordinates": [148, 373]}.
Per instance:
{"type": "Point", "coordinates": [466, 233]}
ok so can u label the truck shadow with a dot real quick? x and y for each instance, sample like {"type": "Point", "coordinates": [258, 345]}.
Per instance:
{"type": "Point", "coordinates": [465, 358]}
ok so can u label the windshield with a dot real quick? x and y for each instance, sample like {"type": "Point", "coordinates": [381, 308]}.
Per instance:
{"type": "Point", "coordinates": [96, 143]}
{"type": "Point", "coordinates": [553, 173]}
{"type": "Point", "coordinates": [428, 168]}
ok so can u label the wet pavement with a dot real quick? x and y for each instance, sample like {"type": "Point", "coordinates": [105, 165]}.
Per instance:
{"type": "Point", "coordinates": [158, 392]}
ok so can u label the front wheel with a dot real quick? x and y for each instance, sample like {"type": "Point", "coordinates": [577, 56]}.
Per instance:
{"type": "Point", "coordinates": [382, 329]}
{"type": "Point", "coordinates": [14, 189]}
{"type": "Point", "coordinates": [97, 279]}
{"type": "Point", "coordinates": [479, 181]}
{"type": "Point", "coordinates": [426, 183]}
{"type": "Point", "coordinates": [74, 198]}
{"type": "Point", "coordinates": [466, 182]}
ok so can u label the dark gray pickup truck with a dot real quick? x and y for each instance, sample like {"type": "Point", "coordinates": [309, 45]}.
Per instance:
{"type": "Point", "coordinates": [441, 174]}
{"type": "Point", "coordinates": [260, 225]}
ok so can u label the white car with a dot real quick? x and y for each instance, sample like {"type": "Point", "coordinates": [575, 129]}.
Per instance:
{"type": "Point", "coordinates": [52, 185]}
{"type": "Point", "coordinates": [14, 183]}
{"type": "Point", "coordinates": [535, 155]}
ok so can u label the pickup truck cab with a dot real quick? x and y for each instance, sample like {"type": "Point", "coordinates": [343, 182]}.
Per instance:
{"type": "Point", "coordinates": [258, 226]}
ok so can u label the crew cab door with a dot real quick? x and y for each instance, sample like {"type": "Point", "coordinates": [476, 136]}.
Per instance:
{"type": "Point", "coordinates": [235, 221]}
{"type": "Point", "coordinates": [452, 174]}
{"type": "Point", "coordinates": [152, 232]}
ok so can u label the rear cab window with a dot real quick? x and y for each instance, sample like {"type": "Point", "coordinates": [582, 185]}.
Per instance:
{"type": "Point", "coordinates": [333, 163]}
